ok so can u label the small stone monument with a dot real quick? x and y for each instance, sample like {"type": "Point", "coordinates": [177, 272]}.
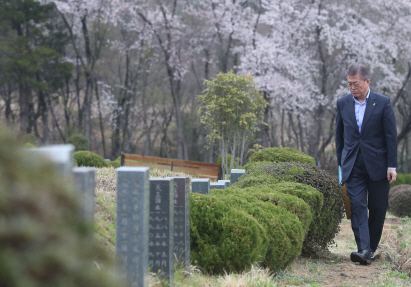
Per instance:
{"type": "Point", "coordinates": [217, 185]}
{"type": "Point", "coordinates": [84, 180]}
{"type": "Point", "coordinates": [236, 174]}
{"type": "Point", "coordinates": [182, 220]}
{"type": "Point", "coordinates": [161, 225]}
{"type": "Point", "coordinates": [61, 155]}
{"type": "Point", "coordinates": [200, 185]}
{"type": "Point", "coordinates": [132, 223]}
{"type": "Point", "coordinates": [226, 182]}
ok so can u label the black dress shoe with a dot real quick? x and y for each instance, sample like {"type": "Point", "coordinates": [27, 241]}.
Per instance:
{"type": "Point", "coordinates": [372, 256]}
{"type": "Point", "coordinates": [363, 257]}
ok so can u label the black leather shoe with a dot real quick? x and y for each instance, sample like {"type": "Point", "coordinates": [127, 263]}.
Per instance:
{"type": "Point", "coordinates": [372, 256]}
{"type": "Point", "coordinates": [363, 257]}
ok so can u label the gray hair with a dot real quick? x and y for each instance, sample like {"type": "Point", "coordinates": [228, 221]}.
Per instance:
{"type": "Point", "coordinates": [358, 68]}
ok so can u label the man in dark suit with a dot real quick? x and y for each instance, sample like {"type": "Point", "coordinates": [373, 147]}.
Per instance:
{"type": "Point", "coordinates": [366, 142]}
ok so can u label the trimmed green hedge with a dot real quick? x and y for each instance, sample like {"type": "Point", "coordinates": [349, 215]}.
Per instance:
{"type": "Point", "coordinates": [44, 240]}
{"type": "Point", "coordinates": [326, 222]}
{"type": "Point", "coordinates": [281, 154]}
{"type": "Point", "coordinates": [284, 229]}
{"type": "Point", "coordinates": [79, 141]}
{"type": "Point", "coordinates": [224, 239]}
{"type": "Point", "coordinates": [115, 163]}
{"type": "Point", "coordinates": [88, 158]}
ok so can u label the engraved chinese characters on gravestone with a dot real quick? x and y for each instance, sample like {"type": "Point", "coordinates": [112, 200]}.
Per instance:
{"type": "Point", "coordinates": [161, 225]}
{"type": "Point", "coordinates": [200, 185]}
{"type": "Point", "coordinates": [132, 223]}
{"type": "Point", "coordinates": [182, 220]}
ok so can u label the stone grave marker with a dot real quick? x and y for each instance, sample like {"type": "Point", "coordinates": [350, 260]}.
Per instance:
{"type": "Point", "coordinates": [200, 185]}
{"type": "Point", "coordinates": [217, 185]}
{"type": "Point", "coordinates": [182, 220]}
{"type": "Point", "coordinates": [161, 225]}
{"type": "Point", "coordinates": [84, 180]}
{"type": "Point", "coordinates": [236, 174]}
{"type": "Point", "coordinates": [226, 182]}
{"type": "Point", "coordinates": [60, 155]}
{"type": "Point", "coordinates": [132, 222]}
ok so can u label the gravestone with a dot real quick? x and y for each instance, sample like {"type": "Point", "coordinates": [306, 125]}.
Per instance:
{"type": "Point", "coordinates": [226, 182]}
{"type": "Point", "coordinates": [132, 217]}
{"type": "Point", "coordinates": [217, 185]}
{"type": "Point", "coordinates": [236, 174]}
{"type": "Point", "coordinates": [84, 180]}
{"type": "Point", "coordinates": [161, 237]}
{"type": "Point", "coordinates": [200, 185]}
{"type": "Point", "coordinates": [60, 155]}
{"type": "Point", "coordinates": [182, 220]}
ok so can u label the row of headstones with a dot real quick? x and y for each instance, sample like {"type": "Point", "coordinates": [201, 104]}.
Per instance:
{"type": "Point", "coordinates": [153, 215]}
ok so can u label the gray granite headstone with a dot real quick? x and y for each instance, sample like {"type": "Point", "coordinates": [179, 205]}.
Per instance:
{"type": "Point", "coordinates": [226, 182]}
{"type": "Point", "coordinates": [182, 220]}
{"type": "Point", "coordinates": [84, 179]}
{"type": "Point", "coordinates": [132, 216]}
{"type": "Point", "coordinates": [200, 185]}
{"type": "Point", "coordinates": [60, 155]}
{"type": "Point", "coordinates": [236, 174]}
{"type": "Point", "coordinates": [217, 185]}
{"type": "Point", "coordinates": [161, 238]}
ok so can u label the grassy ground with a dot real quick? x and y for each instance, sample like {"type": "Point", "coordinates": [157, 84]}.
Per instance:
{"type": "Point", "coordinates": [333, 268]}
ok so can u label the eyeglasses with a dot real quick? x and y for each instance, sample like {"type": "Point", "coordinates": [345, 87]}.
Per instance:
{"type": "Point", "coordinates": [355, 85]}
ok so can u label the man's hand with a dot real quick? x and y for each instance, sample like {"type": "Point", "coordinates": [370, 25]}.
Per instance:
{"type": "Point", "coordinates": [391, 175]}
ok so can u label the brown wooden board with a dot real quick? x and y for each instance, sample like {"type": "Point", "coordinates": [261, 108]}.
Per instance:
{"type": "Point", "coordinates": [346, 202]}
{"type": "Point", "coordinates": [202, 173]}
{"type": "Point", "coordinates": [169, 161]}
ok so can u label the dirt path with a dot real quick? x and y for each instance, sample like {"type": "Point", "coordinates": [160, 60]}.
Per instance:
{"type": "Point", "coordinates": [336, 269]}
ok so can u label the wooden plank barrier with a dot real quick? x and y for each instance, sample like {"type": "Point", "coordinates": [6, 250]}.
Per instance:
{"type": "Point", "coordinates": [199, 169]}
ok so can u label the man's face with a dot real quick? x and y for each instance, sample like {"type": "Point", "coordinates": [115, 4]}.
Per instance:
{"type": "Point", "coordinates": [358, 87]}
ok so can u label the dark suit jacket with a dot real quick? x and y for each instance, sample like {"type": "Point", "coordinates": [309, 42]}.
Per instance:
{"type": "Point", "coordinates": [377, 140]}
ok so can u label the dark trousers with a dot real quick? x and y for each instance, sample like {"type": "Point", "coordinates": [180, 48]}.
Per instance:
{"type": "Point", "coordinates": [367, 229]}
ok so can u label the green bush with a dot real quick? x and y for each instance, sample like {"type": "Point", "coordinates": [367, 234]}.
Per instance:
{"type": "Point", "coordinates": [224, 239]}
{"type": "Point", "coordinates": [29, 140]}
{"type": "Point", "coordinates": [400, 202]}
{"type": "Point", "coordinates": [289, 202]}
{"type": "Point", "coordinates": [251, 165]}
{"type": "Point", "coordinates": [284, 229]}
{"type": "Point", "coordinates": [88, 158]}
{"type": "Point", "coordinates": [281, 154]}
{"type": "Point", "coordinates": [325, 224]}
{"type": "Point", "coordinates": [79, 141]}
{"type": "Point", "coordinates": [115, 163]}
{"type": "Point", "coordinates": [44, 241]}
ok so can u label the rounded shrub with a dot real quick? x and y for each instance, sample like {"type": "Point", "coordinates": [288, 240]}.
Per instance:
{"type": "Point", "coordinates": [223, 238]}
{"type": "Point", "coordinates": [79, 141]}
{"type": "Point", "coordinates": [400, 202]}
{"type": "Point", "coordinates": [281, 154]}
{"type": "Point", "coordinates": [44, 240]}
{"type": "Point", "coordinates": [326, 222]}
{"type": "Point", "coordinates": [395, 189]}
{"type": "Point", "coordinates": [265, 194]}
{"type": "Point", "coordinates": [115, 163]}
{"type": "Point", "coordinates": [29, 140]}
{"type": "Point", "coordinates": [88, 158]}
{"type": "Point", "coordinates": [284, 230]}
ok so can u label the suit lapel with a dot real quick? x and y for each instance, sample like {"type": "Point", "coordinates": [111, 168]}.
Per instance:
{"type": "Point", "coordinates": [368, 109]}
{"type": "Point", "coordinates": [351, 111]}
